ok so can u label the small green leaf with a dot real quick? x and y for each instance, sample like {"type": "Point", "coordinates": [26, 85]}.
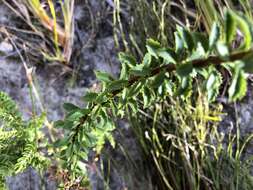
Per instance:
{"type": "Point", "coordinates": [124, 96]}
{"type": "Point", "coordinates": [210, 81]}
{"type": "Point", "coordinates": [186, 37]}
{"type": "Point", "coordinates": [117, 85]}
{"type": "Point", "coordinates": [82, 166]}
{"type": "Point", "coordinates": [212, 85]}
{"type": "Point", "coordinates": [185, 82]}
{"type": "Point", "coordinates": [238, 87]}
{"type": "Point", "coordinates": [133, 106]}
{"type": "Point", "coordinates": [179, 43]}
{"type": "Point", "coordinates": [90, 97]}
{"type": "Point", "coordinates": [58, 124]}
{"type": "Point", "coordinates": [152, 47]}
{"type": "Point", "coordinates": [158, 80]}
{"type": "Point", "coordinates": [135, 89]}
{"type": "Point", "coordinates": [74, 116]}
{"type": "Point", "coordinates": [147, 59]}
{"type": "Point", "coordinates": [245, 27]}
{"type": "Point", "coordinates": [70, 107]}
{"type": "Point", "coordinates": [230, 27]}
{"type": "Point", "coordinates": [111, 140]}
{"type": "Point", "coordinates": [139, 70]}
{"type": "Point", "coordinates": [128, 59]}
{"type": "Point", "coordinates": [185, 87]}
{"type": "Point", "coordinates": [68, 125]}
{"type": "Point", "coordinates": [200, 38]}
{"type": "Point", "coordinates": [101, 97]}
{"type": "Point", "coordinates": [168, 87]}
{"type": "Point", "coordinates": [61, 142]}
{"type": "Point", "coordinates": [103, 76]}
{"type": "Point", "coordinates": [214, 35]}
{"type": "Point", "coordinates": [167, 55]}
{"type": "Point", "coordinates": [146, 97]}
{"type": "Point", "coordinates": [198, 53]}
{"type": "Point", "coordinates": [184, 70]}
{"type": "Point", "coordinates": [85, 111]}
{"type": "Point", "coordinates": [222, 50]}
{"type": "Point", "coordinates": [103, 118]}
{"type": "Point", "coordinates": [124, 71]}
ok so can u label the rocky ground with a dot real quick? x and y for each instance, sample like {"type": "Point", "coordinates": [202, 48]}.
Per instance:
{"type": "Point", "coordinates": [54, 83]}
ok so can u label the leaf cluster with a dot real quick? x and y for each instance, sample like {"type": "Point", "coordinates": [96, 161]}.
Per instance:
{"type": "Point", "coordinates": [18, 140]}
{"type": "Point", "coordinates": [194, 63]}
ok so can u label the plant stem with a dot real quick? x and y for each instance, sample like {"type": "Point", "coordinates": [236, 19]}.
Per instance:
{"type": "Point", "coordinates": [199, 63]}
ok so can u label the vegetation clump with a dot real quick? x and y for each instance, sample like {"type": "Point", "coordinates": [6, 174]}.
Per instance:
{"type": "Point", "coordinates": [19, 141]}
{"type": "Point", "coordinates": [170, 100]}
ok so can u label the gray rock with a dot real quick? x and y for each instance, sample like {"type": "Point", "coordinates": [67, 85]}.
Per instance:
{"type": "Point", "coordinates": [55, 86]}
{"type": "Point", "coordinates": [29, 180]}
{"type": "Point", "coordinates": [6, 47]}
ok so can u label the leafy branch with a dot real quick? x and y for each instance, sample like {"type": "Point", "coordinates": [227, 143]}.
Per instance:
{"type": "Point", "coordinates": [142, 84]}
{"type": "Point", "coordinates": [212, 60]}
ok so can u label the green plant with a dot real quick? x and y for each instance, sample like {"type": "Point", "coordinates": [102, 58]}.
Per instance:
{"type": "Point", "coordinates": [184, 149]}
{"type": "Point", "coordinates": [170, 91]}
{"type": "Point", "coordinates": [169, 77]}
{"type": "Point", "coordinates": [50, 38]}
{"type": "Point", "coordinates": [19, 141]}
{"type": "Point", "coordinates": [146, 20]}
{"type": "Point", "coordinates": [136, 20]}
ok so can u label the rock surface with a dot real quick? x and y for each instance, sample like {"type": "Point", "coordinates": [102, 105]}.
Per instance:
{"type": "Point", "coordinates": [54, 84]}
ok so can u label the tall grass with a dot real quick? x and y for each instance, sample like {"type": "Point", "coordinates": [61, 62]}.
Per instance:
{"type": "Point", "coordinates": [184, 149]}
{"type": "Point", "coordinates": [180, 140]}
{"type": "Point", "coordinates": [136, 20]}
{"type": "Point", "coordinates": [145, 19]}
{"type": "Point", "coordinates": [52, 30]}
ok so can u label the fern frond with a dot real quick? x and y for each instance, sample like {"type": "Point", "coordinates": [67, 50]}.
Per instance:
{"type": "Point", "coordinates": [10, 117]}
{"type": "Point", "coordinates": [18, 140]}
